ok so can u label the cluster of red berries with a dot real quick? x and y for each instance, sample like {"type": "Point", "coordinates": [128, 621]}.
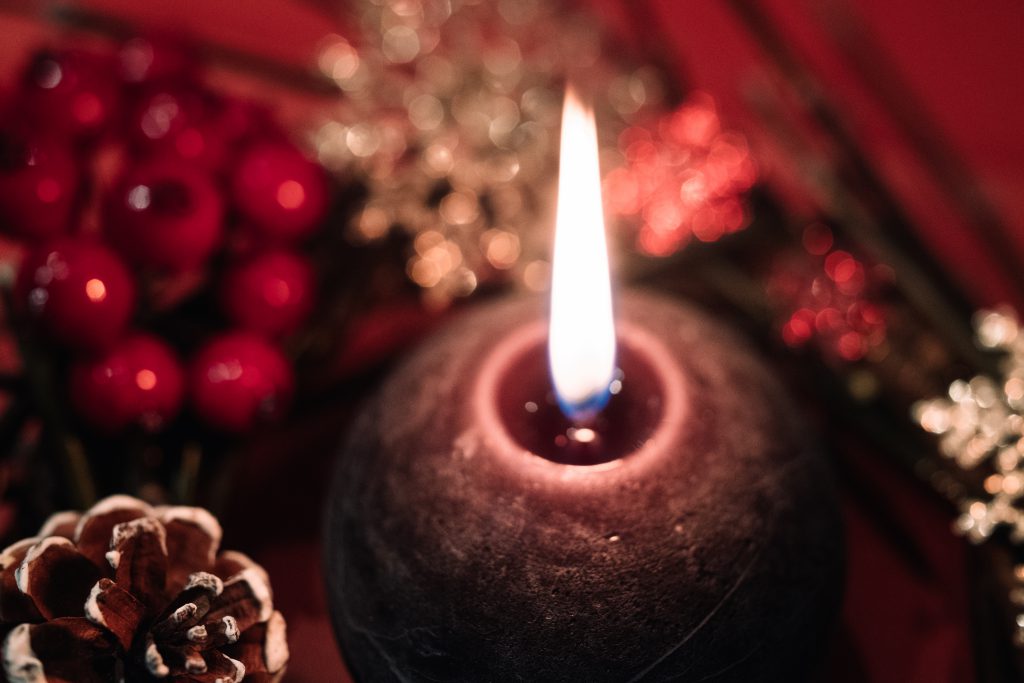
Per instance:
{"type": "Point", "coordinates": [828, 299]}
{"type": "Point", "coordinates": [121, 168]}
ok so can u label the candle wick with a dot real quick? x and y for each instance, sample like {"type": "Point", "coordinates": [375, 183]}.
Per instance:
{"type": "Point", "coordinates": [582, 434]}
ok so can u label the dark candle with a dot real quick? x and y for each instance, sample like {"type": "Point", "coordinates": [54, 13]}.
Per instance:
{"type": "Point", "coordinates": [654, 511]}
{"type": "Point", "coordinates": [703, 544]}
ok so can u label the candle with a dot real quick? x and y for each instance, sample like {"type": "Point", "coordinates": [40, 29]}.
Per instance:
{"type": "Point", "coordinates": [651, 510]}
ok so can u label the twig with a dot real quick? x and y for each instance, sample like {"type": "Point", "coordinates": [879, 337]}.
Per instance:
{"type": "Point", "coordinates": [854, 170]}
{"type": "Point", "coordinates": [188, 473]}
{"type": "Point", "coordinates": [70, 457]}
{"type": "Point", "coordinates": [948, 314]}
{"type": "Point", "coordinates": [79, 472]}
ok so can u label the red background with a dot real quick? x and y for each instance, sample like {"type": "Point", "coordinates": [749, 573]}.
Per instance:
{"type": "Point", "coordinates": [903, 621]}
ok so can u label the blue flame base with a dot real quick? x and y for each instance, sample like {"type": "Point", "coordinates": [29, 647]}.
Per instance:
{"type": "Point", "coordinates": [584, 412]}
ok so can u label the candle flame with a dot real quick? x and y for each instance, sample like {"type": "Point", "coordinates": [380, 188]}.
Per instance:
{"type": "Point", "coordinates": [581, 340]}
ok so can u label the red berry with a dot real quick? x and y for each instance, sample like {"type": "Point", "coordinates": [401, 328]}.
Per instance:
{"type": "Point", "coordinates": [165, 215]}
{"type": "Point", "coordinates": [237, 121]}
{"type": "Point", "coordinates": [39, 182]}
{"type": "Point", "coordinates": [139, 381]}
{"type": "Point", "coordinates": [78, 291]}
{"type": "Point", "coordinates": [71, 91]}
{"type": "Point", "coordinates": [239, 379]}
{"type": "Point", "coordinates": [281, 193]}
{"type": "Point", "coordinates": [271, 292]}
{"type": "Point", "coordinates": [175, 121]}
{"type": "Point", "coordinates": [156, 57]}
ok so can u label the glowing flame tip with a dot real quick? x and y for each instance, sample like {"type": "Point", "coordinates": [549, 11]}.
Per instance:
{"type": "Point", "coordinates": [581, 340]}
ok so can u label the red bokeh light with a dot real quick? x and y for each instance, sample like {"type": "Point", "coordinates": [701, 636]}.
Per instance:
{"type": "Point", "coordinates": [823, 298]}
{"type": "Point", "coordinates": [684, 178]}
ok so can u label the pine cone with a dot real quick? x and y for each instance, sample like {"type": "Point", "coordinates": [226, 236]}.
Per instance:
{"type": "Point", "coordinates": [128, 592]}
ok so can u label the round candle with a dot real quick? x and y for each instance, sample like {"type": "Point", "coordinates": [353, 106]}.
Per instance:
{"type": "Point", "coordinates": [475, 534]}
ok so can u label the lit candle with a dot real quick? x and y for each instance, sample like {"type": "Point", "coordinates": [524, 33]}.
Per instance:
{"type": "Point", "coordinates": [494, 521]}
{"type": "Point", "coordinates": [581, 338]}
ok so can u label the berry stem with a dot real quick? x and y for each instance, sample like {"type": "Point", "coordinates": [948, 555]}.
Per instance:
{"type": "Point", "coordinates": [188, 473]}
{"type": "Point", "coordinates": [54, 441]}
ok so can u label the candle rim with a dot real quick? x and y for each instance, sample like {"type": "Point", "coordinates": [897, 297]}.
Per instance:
{"type": "Point", "coordinates": [515, 456]}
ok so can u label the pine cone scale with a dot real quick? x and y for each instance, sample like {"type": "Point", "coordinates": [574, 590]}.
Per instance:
{"type": "Point", "coordinates": [57, 577]}
{"type": "Point", "coordinates": [64, 649]}
{"type": "Point", "coordinates": [246, 597]}
{"type": "Point", "coordinates": [138, 556]}
{"type": "Point", "coordinates": [193, 538]}
{"type": "Point", "coordinates": [190, 607]}
{"type": "Point", "coordinates": [15, 606]}
{"type": "Point", "coordinates": [93, 533]}
{"type": "Point", "coordinates": [116, 610]}
{"type": "Point", "coordinates": [157, 601]}
{"type": "Point", "coordinates": [263, 649]}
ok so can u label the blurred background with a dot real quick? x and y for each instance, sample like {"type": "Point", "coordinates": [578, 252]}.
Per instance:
{"type": "Point", "coordinates": [861, 165]}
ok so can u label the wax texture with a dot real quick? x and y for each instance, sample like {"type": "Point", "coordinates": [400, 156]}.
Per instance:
{"type": "Point", "coordinates": [718, 559]}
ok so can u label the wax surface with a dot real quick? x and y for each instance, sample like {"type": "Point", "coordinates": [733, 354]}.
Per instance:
{"type": "Point", "coordinates": [453, 557]}
{"type": "Point", "coordinates": [527, 408]}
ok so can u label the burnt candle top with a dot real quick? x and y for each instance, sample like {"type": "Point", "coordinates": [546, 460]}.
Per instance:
{"type": "Point", "coordinates": [517, 399]}
{"type": "Point", "coordinates": [700, 403]}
